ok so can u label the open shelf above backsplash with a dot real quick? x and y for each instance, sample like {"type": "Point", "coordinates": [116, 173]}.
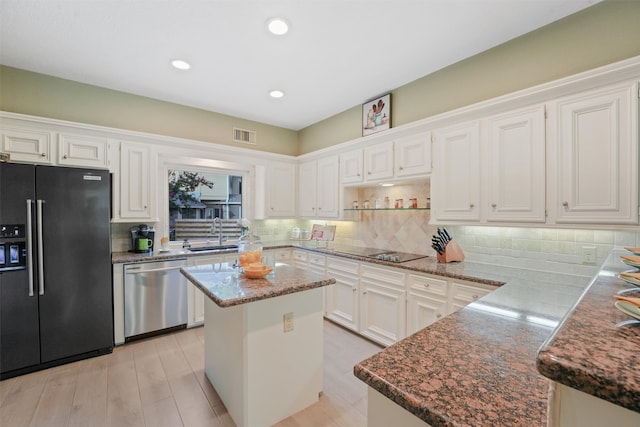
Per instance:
{"type": "Point", "coordinates": [374, 197]}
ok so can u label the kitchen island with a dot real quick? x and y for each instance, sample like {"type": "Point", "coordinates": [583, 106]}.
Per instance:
{"type": "Point", "coordinates": [263, 367]}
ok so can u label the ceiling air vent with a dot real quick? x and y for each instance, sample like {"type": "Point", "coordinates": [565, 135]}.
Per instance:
{"type": "Point", "coordinates": [245, 136]}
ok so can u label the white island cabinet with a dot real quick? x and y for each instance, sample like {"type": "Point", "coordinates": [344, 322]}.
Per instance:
{"type": "Point", "coordinates": [263, 340]}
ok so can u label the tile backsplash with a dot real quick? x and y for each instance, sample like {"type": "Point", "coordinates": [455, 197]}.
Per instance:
{"type": "Point", "coordinates": [541, 250]}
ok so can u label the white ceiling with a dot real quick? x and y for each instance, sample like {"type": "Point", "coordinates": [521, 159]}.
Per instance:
{"type": "Point", "coordinates": [337, 54]}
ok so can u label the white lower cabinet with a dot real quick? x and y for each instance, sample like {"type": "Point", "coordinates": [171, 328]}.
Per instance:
{"type": "Point", "coordinates": [343, 298]}
{"type": "Point", "coordinates": [300, 258]}
{"type": "Point", "coordinates": [385, 304]}
{"type": "Point", "coordinates": [382, 304]}
{"type": "Point", "coordinates": [195, 297]}
{"type": "Point", "coordinates": [317, 263]}
{"type": "Point", "coordinates": [427, 301]}
{"type": "Point", "coordinates": [284, 255]}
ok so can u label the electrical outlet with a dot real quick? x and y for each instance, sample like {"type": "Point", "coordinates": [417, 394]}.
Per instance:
{"type": "Point", "coordinates": [287, 320]}
{"type": "Point", "coordinates": [588, 255]}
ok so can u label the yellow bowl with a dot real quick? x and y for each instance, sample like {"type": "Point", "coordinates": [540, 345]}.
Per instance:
{"type": "Point", "coordinates": [257, 274]}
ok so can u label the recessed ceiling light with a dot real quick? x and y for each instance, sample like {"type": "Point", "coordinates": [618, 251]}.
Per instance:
{"type": "Point", "coordinates": [276, 94]}
{"type": "Point", "coordinates": [278, 26]}
{"type": "Point", "coordinates": [180, 64]}
{"type": "Point", "coordinates": [386, 184]}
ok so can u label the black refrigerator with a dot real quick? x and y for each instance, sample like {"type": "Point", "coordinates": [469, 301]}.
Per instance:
{"type": "Point", "coordinates": [56, 298]}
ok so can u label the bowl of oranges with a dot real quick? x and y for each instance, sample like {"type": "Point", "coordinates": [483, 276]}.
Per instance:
{"type": "Point", "coordinates": [256, 270]}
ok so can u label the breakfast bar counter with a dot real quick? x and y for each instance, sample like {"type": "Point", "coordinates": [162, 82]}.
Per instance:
{"type": "Point", "coordinates": [263, 339]}
{"type": "Point", "coordinates": [501, 360]}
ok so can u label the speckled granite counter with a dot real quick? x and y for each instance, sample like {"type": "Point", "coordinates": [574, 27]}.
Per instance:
{"type": "Point", "coordinates": [588, 352]}
{"type": "Point", "coordinates": [475, 367]}
{"type": "Point", "coordinates": [223, 285]}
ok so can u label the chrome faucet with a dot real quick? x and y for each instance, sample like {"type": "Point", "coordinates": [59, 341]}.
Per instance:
{"type": "Point", "coordinates": [219, 221]}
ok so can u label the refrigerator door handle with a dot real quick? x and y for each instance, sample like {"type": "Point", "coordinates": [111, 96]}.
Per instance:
{"type": "Point", "coordinates": [40, 249]}
{"type": "Point", "coordinates": [29, 247]}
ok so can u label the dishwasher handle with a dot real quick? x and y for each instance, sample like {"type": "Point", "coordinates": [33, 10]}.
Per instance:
{"type": "Point", "coordinates": [138, 270]}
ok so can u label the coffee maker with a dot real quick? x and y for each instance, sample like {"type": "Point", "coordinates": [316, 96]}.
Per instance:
{"type": "Point", "coordinates": [142, 238]}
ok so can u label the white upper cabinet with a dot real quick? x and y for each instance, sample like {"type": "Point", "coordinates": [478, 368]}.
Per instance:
{"type": "Point", "coordinates": [328, 188]}
{"type": "Point", "coordinates": [455, 185]}
{"type": "Point", "coordinates": [515, 166]}
{"type": "Point", "coordinates": [351, 167]}
{"type": "Point", "coordinates": [413, 155]}
{"type": "Point", "coordinates": [318, 188]}
{"type": "Point", "coordinates": [378, 161]}
{"type": "Point", "coordinates": [307, 173]}
{"type": "Point", "coordinates": [83, 150]}
{"type": "Point", "coordinates": [28, 145]}
{"type": "Point", "coordinates": [594, 151]}
{"type": "Point", "coordinates": [280, 190]}
{"type": "Point", "coordinates": [137, 189]}
{"type": "Point", "coordinates": [407, 156]}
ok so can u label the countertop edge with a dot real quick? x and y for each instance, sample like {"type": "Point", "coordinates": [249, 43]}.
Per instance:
{"type": "Point", "coordinates": [598, 375]}
{"type": "Point", "coordinates": [274, 293]}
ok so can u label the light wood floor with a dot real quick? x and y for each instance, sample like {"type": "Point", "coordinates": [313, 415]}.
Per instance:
{"type": "Point", "coordinates": [161, 382]}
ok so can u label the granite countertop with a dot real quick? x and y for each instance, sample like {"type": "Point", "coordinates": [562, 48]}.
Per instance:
{"type": "Point", "coordinates": [226, 287]}
{"type": "Point", "coordinates": [590, 351]}
{"type": "Point", "coordinates": [475, 367]}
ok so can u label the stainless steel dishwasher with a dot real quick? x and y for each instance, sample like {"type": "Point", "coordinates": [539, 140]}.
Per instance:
{"type": "Point", "coordinates": [155, 298]}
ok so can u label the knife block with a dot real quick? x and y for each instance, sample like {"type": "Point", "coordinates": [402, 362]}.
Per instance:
{"type": "Point", "coordinates": [452, 253]}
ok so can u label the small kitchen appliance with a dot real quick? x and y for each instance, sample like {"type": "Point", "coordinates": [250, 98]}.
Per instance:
{"type": "Point", "coordinates": [142, 238]}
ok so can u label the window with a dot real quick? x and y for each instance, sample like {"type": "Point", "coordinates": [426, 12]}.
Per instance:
{"type": "Point", "coordinates": [197, 197]}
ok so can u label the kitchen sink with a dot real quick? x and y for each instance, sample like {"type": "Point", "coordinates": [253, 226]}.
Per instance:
{"type": "Point", "coordinates": [213, 248]}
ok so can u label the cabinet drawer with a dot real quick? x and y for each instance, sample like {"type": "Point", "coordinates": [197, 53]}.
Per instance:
{"type": "Point", "coordinates": [346, 267]}
{"type": "Point", "coordinates": [469, 293]}
{"type": "Point", "coordinates": [300, 256]}
{"type": "Point", "coordinates": [382, 275]}
{"type": "Point", "coordinates": [428, 284]}
{"type": "Point", "coordinates": [317, 259]}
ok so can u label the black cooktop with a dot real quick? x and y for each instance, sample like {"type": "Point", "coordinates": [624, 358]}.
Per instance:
{"type": "Point", "coordinates": [390, 256]}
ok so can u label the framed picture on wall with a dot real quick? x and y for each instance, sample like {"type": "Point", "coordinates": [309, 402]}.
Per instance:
{"type": "Point", "coordinates": [376, 115]}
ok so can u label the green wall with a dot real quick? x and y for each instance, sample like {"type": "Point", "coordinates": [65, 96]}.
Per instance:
{"type": "Point", "coordinates": [602, 34]}
{"type": "Point", "coordinates": [45, 96]}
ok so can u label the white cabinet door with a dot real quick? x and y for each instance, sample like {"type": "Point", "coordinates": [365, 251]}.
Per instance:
{"type": "Point", "coordinates": [281, 200]}
{"type": "Point", "coordinates": [426, 301]}
{"type": "Point", "coordinates": [382, 304]}
{"type": "Point", "coordinates": [378, 161]}
{"type": "Point", "coordinates": [515, 160]}
{"type": "Point", "coordinates": [456, 173]}
{"type": "Point", "coordinates": [307, 173]}
{"type": "Point", "coordinates": [413, 155]}
{"type": "Point", "coordinates": [83, 150]}
{"type": "Point", "coordinates": [351, 167]}
{"type": "Point", "coordinates": [342, 298]}
{"type": "Point", "coordinates": [136, 188]}
{"type": "Point", "coordinates": [318, 188]}
{"type": "Point", "coordinates": [27, 145]}
{"type": "Point", "coordinates": [597, 156]}
{"type": "Point", "coordinates": [327, 190]}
